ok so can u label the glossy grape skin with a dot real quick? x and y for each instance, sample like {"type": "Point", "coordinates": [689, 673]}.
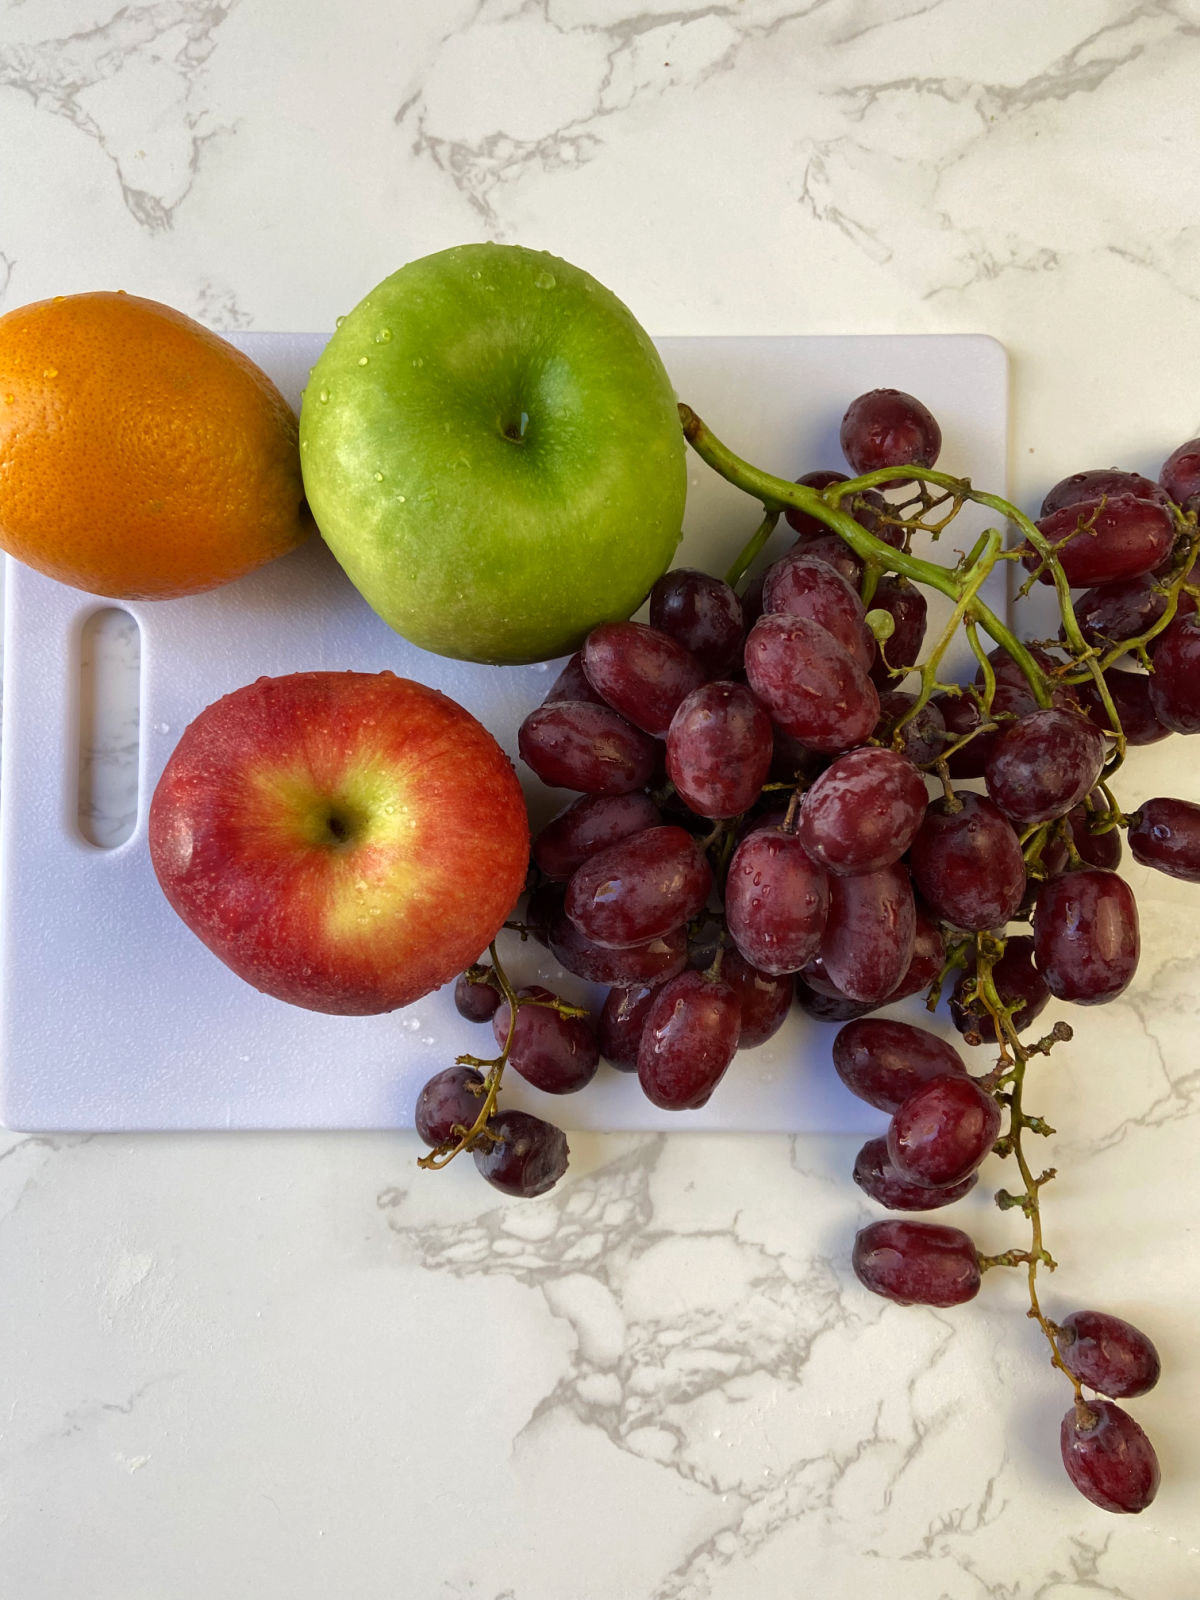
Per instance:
{"type": "Point", "coordinates": [588, 825]}
{"type": "Point", "coordinates": [529, 1158]}
{"type": "Point", "coordinates": [791, 759]}
{"type": "Point", "coordinates": [1118, 611]}
{"type": "Point", "coordinates": [827, 1007]}
{"type": "Point", "coordinates": [572, 684]}
{"type": "Point", "coordinates": [967, 864]}
{"type": "Point", "coordinates": [804, 586]}
{"type": "Point", "coordinates": [927, 958]}
{"type": "Point", "coordinates": [830, 547]}
{"type": "Point", "coordinates": [1165, 835]}
{"type": "Point", "coordinates": [1015, 978]}
{"type": "Point", "coordinates": [619, 1026]}
{"type": "Point", "coordinates": [556, 1054]}
{"type": "Point", "coordinates": [477, 1000]}
{"type": "Point", "coordinates": [640, 888]}
{"type": "Point", "coordinates": [1180, 475]}
{"type": "Point", "coordinates": [922, 737]}
{"type": "Point", "coordinates": [1085, 932]}
{"type": "Point", "coordinates": [961, 716]}
{"type": "Point", "coordinates": [653, 962]}
{"type": "Point", "coordinates": [689, 1038]}
{"type": "Point", "coordinates": [888, 428]}
{"type": "Point", "coordinates": [447, 1101]}
{"type": "Point", "coordinates": [1110, 1461]}
{"type": "Point", "coordinates": [1130, 694]}
{"type": "Point", "coordinates": [1098, 543]}
{"type": "Point", "coordinates": [917, 1263]}
{"type": "Point", "coordinates": [1085, 488]}
{"type": "Point", "coordinates": [909, 610]}
{"type": "Point", "coordinates": [641, 672]}
{"type": "Point", "coordinates": [703, 614]}
{"type": "Point", "coordinates": [1043, 764]}
{"type": "Point", "coordinates": [776, 901]}
{"type": "Point", "coordinates": [719, 749]}
{"type": "Point", "coordinates": [801, 521]}
{"type": "Point", "coordinates": [1108, 1354]}
{"type": "Point", "coordinates": [765, 998]}
{"type": "Point", "coordinates": [1097, 849]}
{"type": "Point", "coordinates": [572, 744]}
{"type": "Point", "coordinates": [810, 686]}
{"type": "Point", "coordinates": [877, 1177]}
{"type": "Point", "coordinates": [863, 812]}
{"type": "Point", "coordinates": [943, 1131]}
{"type": "Point", "coordinates": [870, 932]}
{"type": "Point", "coordinates": [883, 1061]}
{"type": "Point", "coordinates": [1175, 683]}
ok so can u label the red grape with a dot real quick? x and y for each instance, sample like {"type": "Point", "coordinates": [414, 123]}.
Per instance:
{"type": "Point", "coordinates": [765, 998]}
{"type": "Point", "coordinates": [652, 962]}
{"type": "Point", "coordinates": [556, 1054]}
{"type": "Point", "coordinates": [928, 955]}
{"type": "Point", "coordinates": [967, 863]}
{"type": "Point", "coordinates": [1175, 684]}
{"type": "Point", "coordinates": [571, 744]}
{"type": "Point", "coordinates": [776, 901]}
{"type": "Point", "coordinates": [922, 737]}
{"type": "Point", "coordinates": [448, 1101]}
{"type": "Point", "coordinates": [703, 614]}
{"type": "Point", "coordinates": [1165, 834]}
{"type": "Point", "coordinates": [1085, 488]}
{"type": "Point", "coordinates": [882, 1061]}
{"type": "Point", "coordinates": [619, 1027]}
{"type": "Point", "coordinates": [1130, 694]}
{"type": "Point", "coordinates": [572, 684]}
{"type": "Point", "coordinates": [1015, 978]}
{"type": "Point", "coordinates": [1107, 542]}
{"type": "Point", "coordinates": [588, 825]}
{"type": "Point", "coordinates": [917, 1263]}
{"type": "Point", "coordinates": [829, 547]}
{"type": "Point", "coordinates": [887, 428]}
{"type": "Point", "coordinates": [803, 586]}
{"type": "Point", "coordinates": [719, 749]}
{"type": "Point", "coordinates": [876, 1176]}
{"type": "Point", "coordinates": [527, 1157]}
{"type": "Point", "coordinates": [869, 934]}
{"type": "Point", "coordinates": [688, 1040]}
{"type": "Point", "coordinates": [1097, 849]}
{"type": "Point", "coordinates": [476, 998]}
{"type": "Point", "coordinates": [943, 1131]}
{"type": "Point", "coordinates": [1180, 475]}
{"type": "Point", "coordinates": [1043, 764]}
{"type": "Point", "coordinates": [641, 672]}
{"type": "Point", "coordinates": [640, 888]}
{"type": "Point", "coordinates": [827, 1007]}
{"type": "Point", "coordinates": [1085, 932]}
{"type": "Point", "coordinates": [812, 688]}
{"type": "Point", "coordinates": [1108, 1457]}
{"type": "Point", "coordinates": [1108, 1354]}
{"type": "Point", "coordinates": [909, 610]}
{"type": "Point", "coordinates": [1118, 611]}
{"type": "Point", "coordinates": [863, 812]}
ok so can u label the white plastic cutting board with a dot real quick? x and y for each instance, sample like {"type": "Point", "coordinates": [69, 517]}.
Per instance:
{"type": "Point", "coordinates": [114, 1017]}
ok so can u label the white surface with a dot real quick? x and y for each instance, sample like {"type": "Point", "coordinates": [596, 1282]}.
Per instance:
{"type": "Point", "coordinates": [113, 1016]}
{"type": "Point", "coordinates": [291, 1366]}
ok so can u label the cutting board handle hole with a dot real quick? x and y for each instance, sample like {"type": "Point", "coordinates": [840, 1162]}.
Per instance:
{"type": "Point", "coordinates": [110, 663]}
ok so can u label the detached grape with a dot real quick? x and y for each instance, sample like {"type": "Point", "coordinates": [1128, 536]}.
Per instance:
{"type": "Point", "coordinates": [1108, 1457]}
{"type": "Point", "coordinates": [917, 1263]}
{"type": "Point", "coordinates": [528, 1156]}
{"type": "Point", "coordinates": [1108, 1354]}
{"type": "Point", "coordinates": [1166, 835]}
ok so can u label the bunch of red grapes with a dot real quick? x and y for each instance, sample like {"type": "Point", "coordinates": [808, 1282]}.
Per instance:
{"type": "Point", "coordinates": [765, 818]}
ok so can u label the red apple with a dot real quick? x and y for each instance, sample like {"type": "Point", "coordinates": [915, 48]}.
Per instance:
{"type": "Point", "coordinates": [345, 841]}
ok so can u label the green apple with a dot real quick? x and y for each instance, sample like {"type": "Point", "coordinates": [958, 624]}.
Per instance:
{"type": "Point", "coordinates": [344, 841]}
{"type": "Point", "coordinates": [491, 449]}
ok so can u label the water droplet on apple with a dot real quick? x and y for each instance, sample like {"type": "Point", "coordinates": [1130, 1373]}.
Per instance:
{"type": "Point", "coordinates": [362, 361]}
{"type": "Point", "coordinates": [418, 361]}
{"type": "Point", "coordinates": [323, 396]}
{"type": "Point", "coordinates": [337, 322]}
{"type": "Point", "coordinates": [401, 498]}
{"type": "Point", "coordinates": [383, 336]}
{"type": "Point", "coordinates": [544, 280]}
{"type": "Point", "coordinates": [379, 477]}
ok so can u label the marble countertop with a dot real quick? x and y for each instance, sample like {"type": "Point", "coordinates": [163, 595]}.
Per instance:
{"type": "Point", "coordinates": [293, 1365]}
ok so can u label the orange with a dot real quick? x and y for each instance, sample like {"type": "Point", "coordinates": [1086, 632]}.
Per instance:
{"type": "Point", "coordinates": [141, 455]}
